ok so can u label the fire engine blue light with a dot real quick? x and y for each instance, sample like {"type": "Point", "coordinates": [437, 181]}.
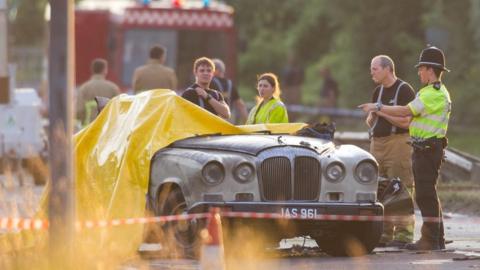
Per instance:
{"type": "Point", "coordinates": [206, 3]}
{"type": "Point", "coordinates": [146, 2]}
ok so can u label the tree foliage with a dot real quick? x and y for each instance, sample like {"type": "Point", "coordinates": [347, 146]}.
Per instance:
{"type": "Point", "coordinates": [27, 22]}
{"type": "Point", "coordinates": [345, 35]}
{"type": "Point", "coordinates": [342, 35]}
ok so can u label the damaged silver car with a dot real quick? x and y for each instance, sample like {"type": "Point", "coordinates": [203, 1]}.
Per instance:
{"type": "Point", "coordinates": [299, 178]}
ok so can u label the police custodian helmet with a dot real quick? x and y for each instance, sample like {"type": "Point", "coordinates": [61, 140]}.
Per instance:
{"type": "Point", "coordinates": [433, 57]}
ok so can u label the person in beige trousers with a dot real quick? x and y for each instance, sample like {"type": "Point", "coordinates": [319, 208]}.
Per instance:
{"type": "Point", "coordinates": [389, 137]}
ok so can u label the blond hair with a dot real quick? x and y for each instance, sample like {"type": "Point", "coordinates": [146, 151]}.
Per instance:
{"type": "Point", "coordinates": [203, 61]}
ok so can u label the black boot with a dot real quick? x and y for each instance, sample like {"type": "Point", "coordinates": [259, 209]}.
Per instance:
{"type": "Point", "coordinates": [423, 244]}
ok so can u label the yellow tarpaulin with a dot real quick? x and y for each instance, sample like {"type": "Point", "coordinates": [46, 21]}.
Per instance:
{"type": "Point", "coordinates": [112, 161]}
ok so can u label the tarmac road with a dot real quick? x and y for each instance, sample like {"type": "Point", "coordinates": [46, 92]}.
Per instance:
{"type": "Point", "coordinates": [380, 260]}
{"type": "Point", "coordinates": [463, 253]}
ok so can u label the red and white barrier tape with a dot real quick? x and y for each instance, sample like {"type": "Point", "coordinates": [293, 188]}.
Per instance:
{"type": "Point", "coordinates": [38, 224]}
{"type": "Point", "coordinates": [23, 224]}
{"type": "Point", "coordinates": [144, 220]}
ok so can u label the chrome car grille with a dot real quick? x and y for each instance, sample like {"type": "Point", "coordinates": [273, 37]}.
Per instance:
{"type": "Point", "coordinates": [276, 179]}
{"type": "Point", "coordinates": [307, 179]}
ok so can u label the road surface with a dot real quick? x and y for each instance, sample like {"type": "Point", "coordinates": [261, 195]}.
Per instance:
{"type": "Point", "coordinates": [463, 253]}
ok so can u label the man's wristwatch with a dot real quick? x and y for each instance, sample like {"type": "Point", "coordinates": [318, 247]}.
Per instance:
{"type": "Point", "coordinates": [208, 97]}
{"type": "Point", "coordinates": [379, 106]}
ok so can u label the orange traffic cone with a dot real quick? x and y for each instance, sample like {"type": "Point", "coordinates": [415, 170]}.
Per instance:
{"type": "Point", "coordinates": [211, 256]}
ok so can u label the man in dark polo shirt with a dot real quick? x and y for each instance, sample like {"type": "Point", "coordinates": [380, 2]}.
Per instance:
{"type": "Point", "coordinates": [389, 141]}
{"type": "Point", "coordinates": [200, 94]}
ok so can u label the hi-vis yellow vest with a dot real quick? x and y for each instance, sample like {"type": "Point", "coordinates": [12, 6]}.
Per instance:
{"type": "Point", "coordinates": [431, 112]}
{"type": "Point", "coordinates": [273, 111]}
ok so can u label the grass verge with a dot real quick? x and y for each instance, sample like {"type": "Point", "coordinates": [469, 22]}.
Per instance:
{"type": "Point", "coordinates": [460, 197]}
{"type": "Point", "coordinates": [465, 139]}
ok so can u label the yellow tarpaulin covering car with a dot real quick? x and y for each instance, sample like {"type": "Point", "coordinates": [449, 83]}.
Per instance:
{"type": "Point", "coordinates": [112, 162]}
{"type": "Point", "coordinates": [113, 157]}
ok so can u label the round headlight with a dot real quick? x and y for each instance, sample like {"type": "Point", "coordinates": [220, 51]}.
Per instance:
{"type": "Point", "coordinates": [366, 172]}
{"type": "Point", "coordinates": [213, 173]}
{"type": "Point", "coordinates": [243, 172]}
{"type": "Point", "coordinates": [335, 172]}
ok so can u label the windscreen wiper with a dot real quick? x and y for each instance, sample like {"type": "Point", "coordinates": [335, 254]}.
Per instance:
{"type": "Point", "coordinates": [207, 135]}
{"type": "Point", "coordinates": [262, 132]}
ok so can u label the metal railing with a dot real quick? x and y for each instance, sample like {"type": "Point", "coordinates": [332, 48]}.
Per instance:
{"type": "Point", "coordinates": [316, 110]}
{"type": "Point", "coordinates": [458, 165]}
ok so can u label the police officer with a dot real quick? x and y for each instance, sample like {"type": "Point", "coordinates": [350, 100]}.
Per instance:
{"type": "Point", "coordinates": [431, 112]}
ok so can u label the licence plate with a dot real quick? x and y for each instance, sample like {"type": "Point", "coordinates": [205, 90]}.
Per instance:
{"type": "Point", "coordinates": [299, 212]}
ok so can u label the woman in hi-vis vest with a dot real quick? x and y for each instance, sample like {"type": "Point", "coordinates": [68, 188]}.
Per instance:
{"type": "Point", "coordinates": [269, 108]}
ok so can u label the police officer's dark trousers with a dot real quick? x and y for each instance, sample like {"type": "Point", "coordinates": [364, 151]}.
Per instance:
{"type": "Point", "coordinates": [426, 166]}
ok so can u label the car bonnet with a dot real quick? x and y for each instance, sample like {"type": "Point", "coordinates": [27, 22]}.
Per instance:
{"type": "Point", "coordinates": [250, 144]}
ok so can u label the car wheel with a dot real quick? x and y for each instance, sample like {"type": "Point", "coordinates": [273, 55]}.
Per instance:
{"type": "Point", "coordinates": [180, 238]}
{"type": "Point", "coordinates": [351, 239]}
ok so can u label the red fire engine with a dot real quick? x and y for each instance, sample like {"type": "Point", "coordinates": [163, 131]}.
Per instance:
{"type": "Point", "coordinates": [122, 31]}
